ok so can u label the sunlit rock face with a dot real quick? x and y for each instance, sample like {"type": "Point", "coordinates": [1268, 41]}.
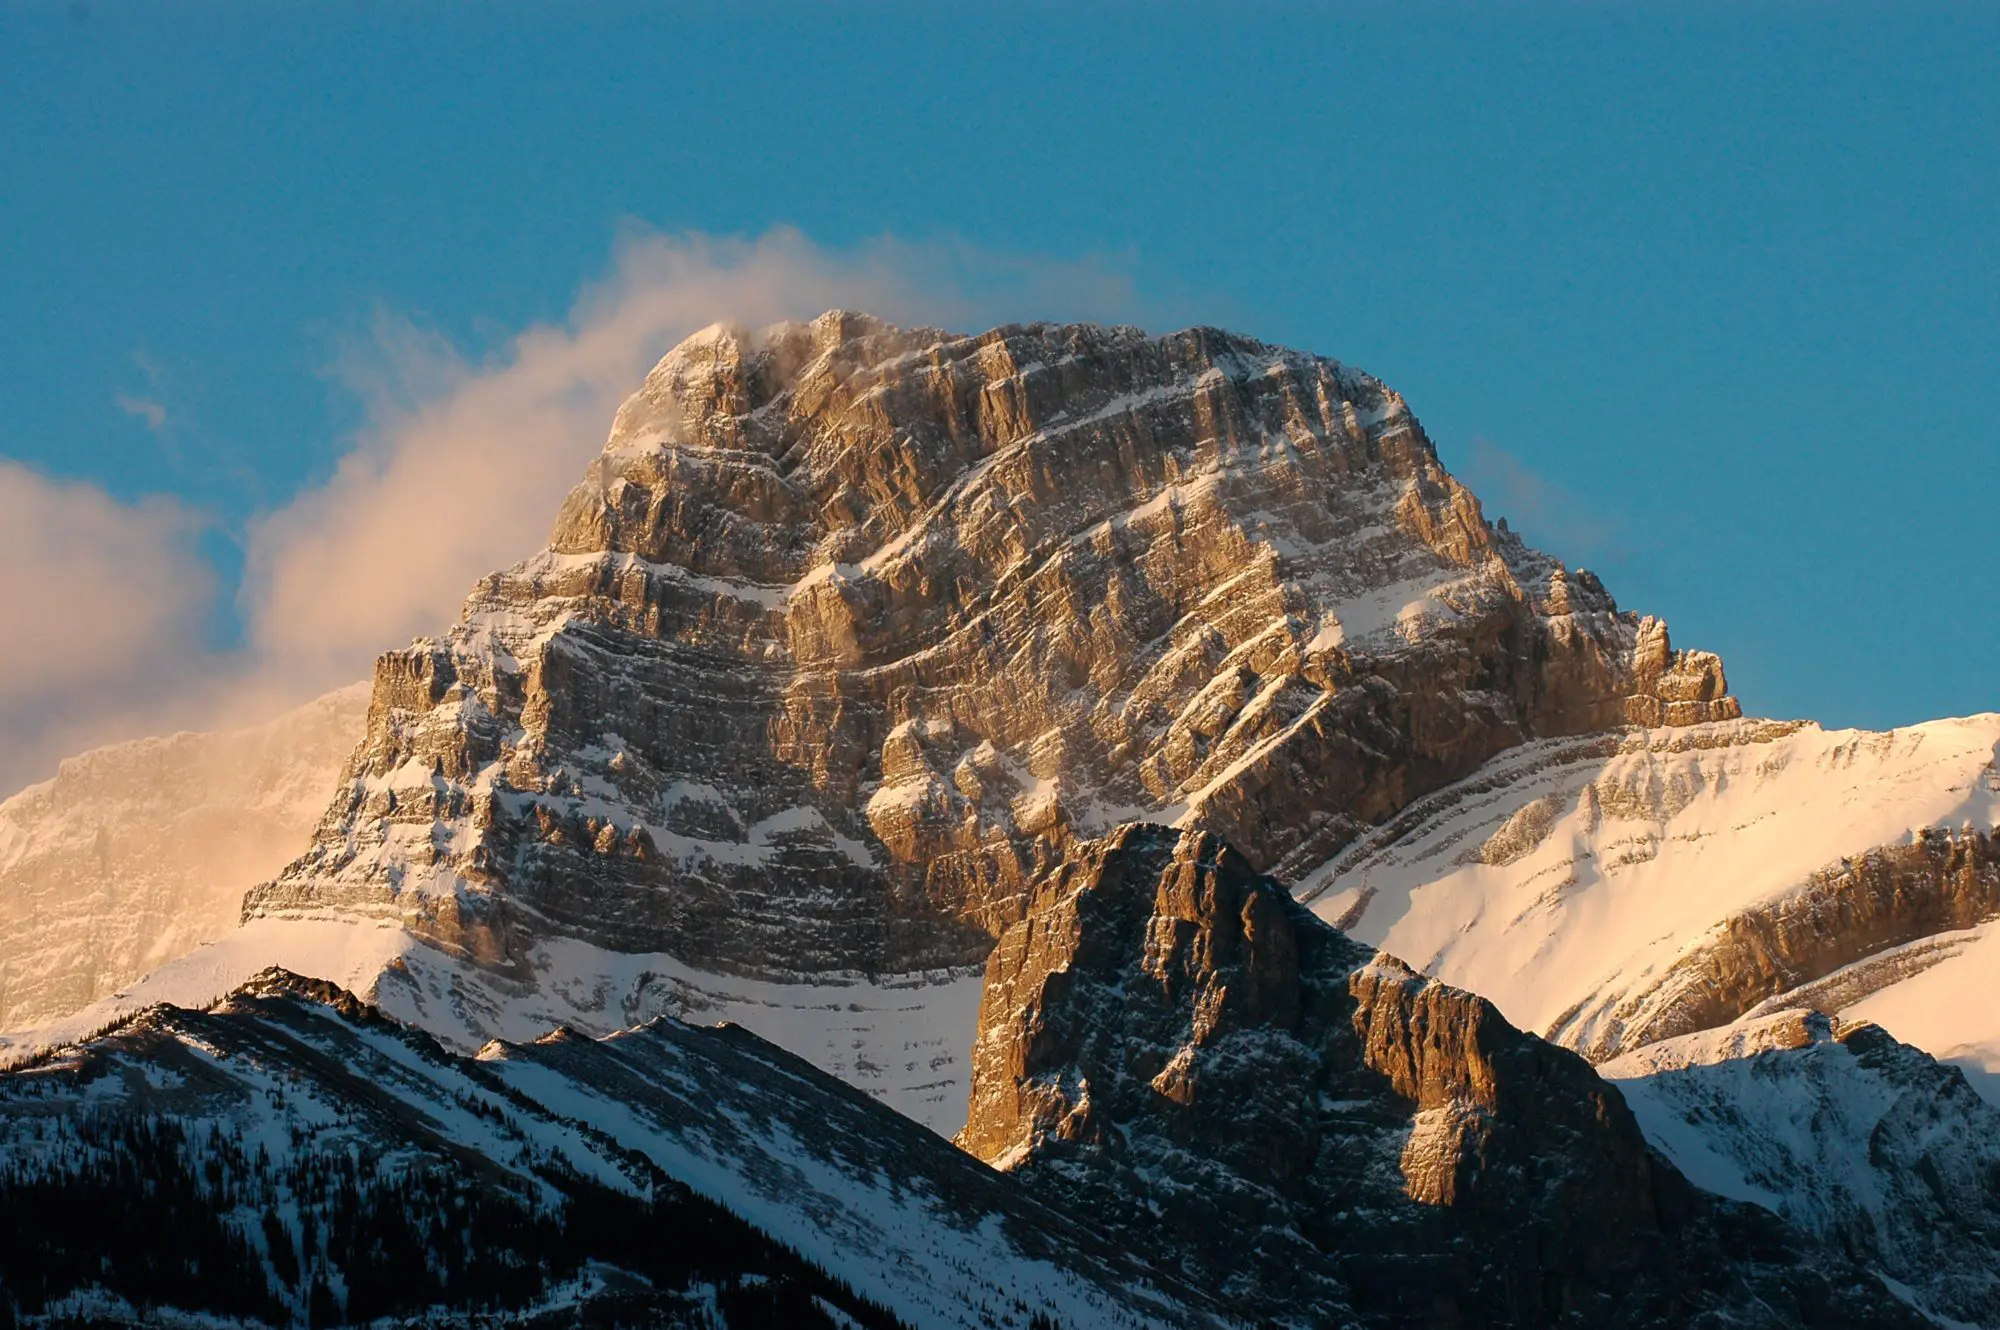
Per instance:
{"type": "Point", "coordinates": [139, 852]}
{"type": "Point", "coordinates": [852, 630]}
{"type": "Point", "coordinates": [1256, 1102]}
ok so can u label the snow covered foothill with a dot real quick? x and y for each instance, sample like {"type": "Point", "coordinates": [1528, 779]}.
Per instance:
{"type": "Point", "coordinates": [315, 1157]}
{"type": "Point", "coordinates": [1864, 1142]}
{"type": "Point", "coordinates": [902, 1038]}
{"type": "Point", "coordinates": [1581, 884]}
{"type": "Point", "coordinates": [910, 1221]}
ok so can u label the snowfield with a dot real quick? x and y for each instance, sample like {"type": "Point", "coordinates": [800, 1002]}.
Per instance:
{"type": "Point", "coordinates": [903, 1039]}
{"type": "Point", "coordinates": [1567, 878]}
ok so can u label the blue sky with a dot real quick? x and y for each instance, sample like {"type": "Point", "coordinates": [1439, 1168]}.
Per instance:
{"type": "Point", "coordinates": [1708, 301]}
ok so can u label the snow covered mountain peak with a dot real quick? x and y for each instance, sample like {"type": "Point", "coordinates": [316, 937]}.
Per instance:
{"type": "Point", "coordinates": [136, 853]}
{"type": "Point", "coordinates": [857, 663]}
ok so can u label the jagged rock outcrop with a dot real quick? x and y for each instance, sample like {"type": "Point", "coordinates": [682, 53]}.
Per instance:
{"type": "Point", "coordinates": [1169, 1042]}
{"type": "Point", "coordinates": [1865, 1142]}
{"type": "Point", "coordinates": [139, 852]}
{"type": "Point", "coordinates": [1615, 890]}
{"type": "Point", "coordinates": [852, 630]}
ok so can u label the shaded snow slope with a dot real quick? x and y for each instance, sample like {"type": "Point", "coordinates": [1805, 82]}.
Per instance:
{"type": "Point", "coordinates": [913, 1222]}
{"type": "Point", "coordinates": [1614, 890]}
{"type": "Point", "coordinates": [137, 852]}
{"type": "Point", "coordinates": [1865, 1142]}
{"type": "Point", "coordinates": [903, 1039]}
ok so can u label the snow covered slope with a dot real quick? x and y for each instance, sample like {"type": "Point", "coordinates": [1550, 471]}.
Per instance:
{"type": "Point", "coordinates": [290, 1154]}
{"type": "Point", "coordinates": [136, 853]}
{"type": "Point", "coordinates": [1854, 1137]}
{"type": "Point", "coordinates": [903, 1039]}
{"type": "Point", "coordinates": [1614, 890]}
{"type": "Point", "coordinates": [1949, 1008]}
{"type": "Point", "coordinates": [913, 1222]}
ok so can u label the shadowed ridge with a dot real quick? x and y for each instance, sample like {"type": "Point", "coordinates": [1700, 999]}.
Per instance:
{"type": "Point", "coordinates": [638, 1179]}
{"type": "Point", "coordinates": [1248, 1096]}
{"type": "Point", "coordinates": [278, 982]}
{"type": "Point", "coordinates": [1858, 1139]}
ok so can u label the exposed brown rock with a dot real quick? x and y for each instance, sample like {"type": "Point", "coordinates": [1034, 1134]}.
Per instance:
{"type": "Point", "coordinates": [1168, 1041]}
{"type": "Point", "coordinates": [852, 630]}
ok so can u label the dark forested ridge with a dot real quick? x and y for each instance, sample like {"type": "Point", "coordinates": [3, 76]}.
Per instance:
{"type": "Point", "coordinates": [179, 1163]}
{"type": "Point", "coordinates": [290, 1156]}
{"type": "Point", "coordinates": [134, 1213]}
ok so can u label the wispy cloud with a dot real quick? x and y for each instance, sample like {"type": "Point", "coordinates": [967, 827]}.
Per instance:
{"type": "Point", "coordinates": [148, 410]}
{"type": "Point", "coordinates": [102, 603]}
{"type": "Point", "coordinates": [1546, 512]}
{"type": "Point", "coordinates": [458, 470]}
{"type": "Point", "coordinates": [462, 465]}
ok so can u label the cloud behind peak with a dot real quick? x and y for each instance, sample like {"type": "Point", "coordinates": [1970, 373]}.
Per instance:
{"type": "Point", "coordinates": [458, 469]}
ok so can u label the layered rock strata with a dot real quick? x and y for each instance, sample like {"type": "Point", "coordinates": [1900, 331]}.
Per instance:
{"type": "Point", "coordinates": [1171, 1043]}
{"type": "Point", "coordinates": [853, 630]}
{"type": "Point", "coordinates": [1941, 881]}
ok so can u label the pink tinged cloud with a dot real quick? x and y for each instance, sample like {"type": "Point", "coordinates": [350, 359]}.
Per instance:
{"type": "Point", "coordinates": [462, 467]}
{"type": "Point", "coordinates": [459, 471]}
{"type": "Point", "coordinates": [101, 604]}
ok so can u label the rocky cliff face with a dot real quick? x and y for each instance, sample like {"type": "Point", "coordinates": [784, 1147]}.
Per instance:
{"type": "Point", "coordinates": [1169, 1042]}
{"type": "Point", "coordinates": [139, 852]}
{"type": "Point", "coordinates": [852, 631]}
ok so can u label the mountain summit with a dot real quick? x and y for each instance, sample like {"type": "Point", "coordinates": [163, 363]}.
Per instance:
{"type": "Point", "coordinates": [851, 630]}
